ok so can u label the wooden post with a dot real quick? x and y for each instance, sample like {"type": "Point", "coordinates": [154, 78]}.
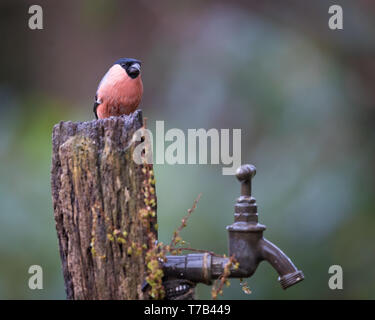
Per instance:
{"type": "Point", "coordinates": [98, 194]}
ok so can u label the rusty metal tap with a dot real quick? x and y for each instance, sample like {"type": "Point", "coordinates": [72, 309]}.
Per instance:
{"type": "Point", "coordinates": [246, 244]}
{"type": "Point", "coordinates": [246, 241]}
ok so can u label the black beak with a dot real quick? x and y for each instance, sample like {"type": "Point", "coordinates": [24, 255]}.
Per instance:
{"type": "Point", "coordinates": [134, 70]}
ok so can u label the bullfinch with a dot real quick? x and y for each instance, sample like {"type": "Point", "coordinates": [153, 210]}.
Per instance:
{"type": "Point", "coordinates": [120, 91]}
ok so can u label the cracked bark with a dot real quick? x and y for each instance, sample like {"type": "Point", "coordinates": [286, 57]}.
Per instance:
{"type": "Point", "coordinates": [97, 192]}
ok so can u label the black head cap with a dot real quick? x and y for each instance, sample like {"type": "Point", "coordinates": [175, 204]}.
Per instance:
{"type": "Point", "coordinates": [131, 66]}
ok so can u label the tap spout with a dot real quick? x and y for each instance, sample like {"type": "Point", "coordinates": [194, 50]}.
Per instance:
{"type": "Point", "coordinates": [288, 273]}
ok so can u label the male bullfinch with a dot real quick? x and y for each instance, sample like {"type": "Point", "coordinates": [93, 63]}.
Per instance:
{"type": "Point", "coordinates": [120, 91]}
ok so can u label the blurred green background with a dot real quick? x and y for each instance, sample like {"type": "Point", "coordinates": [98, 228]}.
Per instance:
{"type": "Point", "coordinates": [302, 94]}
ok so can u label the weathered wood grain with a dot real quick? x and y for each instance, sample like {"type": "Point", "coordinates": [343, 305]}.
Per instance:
{"type": "Point", "coordinates": [97, 192]}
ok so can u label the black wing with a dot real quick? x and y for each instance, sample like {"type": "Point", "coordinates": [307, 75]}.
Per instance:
{"type": "Point", "coordinates": [96, 106]}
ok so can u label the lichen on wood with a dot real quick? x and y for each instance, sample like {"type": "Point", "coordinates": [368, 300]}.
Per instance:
{"type": "Point", "coordinates": [98, 199]}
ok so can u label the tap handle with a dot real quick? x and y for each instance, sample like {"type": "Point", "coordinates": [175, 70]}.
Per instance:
{"type": "Point", "coordinates": [244, 174]}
